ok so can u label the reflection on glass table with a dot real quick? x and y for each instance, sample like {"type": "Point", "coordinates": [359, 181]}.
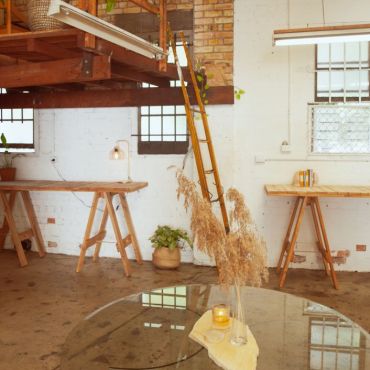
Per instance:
{"type": "Point", "coordinates": [150, 331]}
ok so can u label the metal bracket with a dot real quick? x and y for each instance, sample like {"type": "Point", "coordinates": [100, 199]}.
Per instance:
{"type": "Point", "coordinates": [87, 64]}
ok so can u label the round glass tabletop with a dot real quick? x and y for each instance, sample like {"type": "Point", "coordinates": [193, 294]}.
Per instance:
{"type": "Point", "coordinates": [150, 331]}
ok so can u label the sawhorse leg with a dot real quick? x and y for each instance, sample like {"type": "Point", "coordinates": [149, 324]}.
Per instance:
{"type": "Point", "coordinates": [286, 242]}
{"type": "Point", "coordinates": [33, 222]}
{"type": "Point", "coordinates": [13, 229]}
{"type": "Point", "coordinates": [290, 250]}
{"type": "Point", "coordinates": [131, 228]}
{"type": "Point", "coordinates": [87, 241]}
{"type": "Point", "coordinates": [122, 243]}
{"type": "Point", "coordinates": [322, 239]}
{"type": "Point", "coordinates": [9, 224]}
{"type": "Point", "coordinates": [327, 253]}
{"type": "Point", "coordinates": [5, 228]}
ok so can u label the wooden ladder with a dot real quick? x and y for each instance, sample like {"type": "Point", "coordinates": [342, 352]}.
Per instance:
{"type": "Point", "coordinates": [196, 142]}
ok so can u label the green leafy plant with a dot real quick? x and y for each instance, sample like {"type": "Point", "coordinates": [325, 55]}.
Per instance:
{"type": "Point", "coordinates": [168, 237]}
{"type": "Point", "coordinates": [110, 5]}
{"type": "Point", "coordinates": [238, 93]}
{"type": "Point", "coordinates": [8, 159]}
{"type": "Point", "coordinates": [202, 80]}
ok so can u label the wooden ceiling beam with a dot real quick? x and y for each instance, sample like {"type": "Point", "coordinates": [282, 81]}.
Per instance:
{"type": "Point", "coordinates": [146, 5]}
{"type": "Point", "coordinates": [7, 61]}
{"type": "Point", "coordinates": [140, 62]}
{"type": "Point", "coordinates": [127, 73]}
{"type": "Point", "coordinates": [55, 72]}
{"type": "Point", "coordinates": [112, 98]}
{"type": "Point", "coordinates": [50, 50]}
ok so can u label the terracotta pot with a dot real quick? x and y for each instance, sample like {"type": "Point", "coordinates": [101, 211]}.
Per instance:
{"type": "Point", "coordinates": [7, 174]}
{"type": "Point", "coordinates": [165, 258]}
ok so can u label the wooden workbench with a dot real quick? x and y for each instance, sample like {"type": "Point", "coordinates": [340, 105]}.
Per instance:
{"type": "Point", "coordinates": [104, 190]}
{"type": "Point", "coordinates": [309, 196]}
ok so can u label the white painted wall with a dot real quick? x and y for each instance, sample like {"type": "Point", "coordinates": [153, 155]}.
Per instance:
{"type": "Point", "coordinates": [261, 124]}
{"type": "Point", "coordinates": [81, 139]}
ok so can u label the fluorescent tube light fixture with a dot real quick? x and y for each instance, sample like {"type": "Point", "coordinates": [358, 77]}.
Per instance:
{"type": "Point", "coordinates": [322, 35]}
{"type": "Point", "coordinates": [84, 21]}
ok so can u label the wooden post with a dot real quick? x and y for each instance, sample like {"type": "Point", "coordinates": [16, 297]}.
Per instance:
{"type": "Point", "coordinates": [163, 33]}
{"type": "Point", "coordinates": [8, 16]}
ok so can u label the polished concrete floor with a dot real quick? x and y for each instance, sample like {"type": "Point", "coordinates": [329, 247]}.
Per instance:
{"type": "Point", "coordinates": [41, 303]}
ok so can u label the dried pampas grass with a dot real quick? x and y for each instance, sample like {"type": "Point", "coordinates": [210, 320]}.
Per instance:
{"type": "Point", "coordinates": [240, 255]}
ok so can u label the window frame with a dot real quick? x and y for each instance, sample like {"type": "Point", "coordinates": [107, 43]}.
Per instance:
{"type": "Point", "coordinates": [338, 99]}
{"type": "Point", "coordinates": [18, 147]}
{"type": "Point", "coordinates": [166, 147]}
{"type": "Point", "coordinates": [334, 155]}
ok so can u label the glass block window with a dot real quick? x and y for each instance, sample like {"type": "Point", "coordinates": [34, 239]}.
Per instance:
{"type": "Point", "coordinates": [340, 128]}
{"type": "Point", "coordinates": [163, 129]}
{"type": "Point", "coordinates": [342, 72]}
{"type": "Point", "coordinates": [18, 127]}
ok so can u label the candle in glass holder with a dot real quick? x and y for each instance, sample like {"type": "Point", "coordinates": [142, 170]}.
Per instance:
{"type": "Point", "coordinates": [221, 315]}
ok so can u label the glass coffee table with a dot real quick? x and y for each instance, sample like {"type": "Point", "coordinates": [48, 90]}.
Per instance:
{"type": "Point", "coordinates": [150, 331]}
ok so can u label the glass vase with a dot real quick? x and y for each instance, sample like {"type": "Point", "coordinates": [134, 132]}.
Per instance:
{"type": "Point", "coordinates": [238, 335]}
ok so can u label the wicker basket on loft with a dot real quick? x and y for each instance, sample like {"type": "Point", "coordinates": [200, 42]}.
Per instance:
{"type": "Point", "coordinates": [38, 19]}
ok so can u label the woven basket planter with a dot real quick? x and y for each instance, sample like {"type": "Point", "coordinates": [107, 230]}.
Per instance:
{"type": "Point", "coordinates": [38, 19]}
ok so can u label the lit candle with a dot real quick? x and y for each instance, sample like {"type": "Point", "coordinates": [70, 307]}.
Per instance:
{"type": "Point", "coordinates": [221, 315]}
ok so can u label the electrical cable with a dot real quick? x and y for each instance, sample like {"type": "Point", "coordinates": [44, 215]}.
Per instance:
{"type": "Point", "coordinates": [73, 193]}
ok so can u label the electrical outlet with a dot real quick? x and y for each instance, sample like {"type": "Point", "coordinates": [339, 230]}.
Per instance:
{"type": "Point", "coordinates": [285, 147]}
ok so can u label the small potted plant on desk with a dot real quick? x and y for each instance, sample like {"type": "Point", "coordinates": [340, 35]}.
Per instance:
{"type": "Point", "coordinates": [166, 243]}
{"type": "Point", "coordinates": [7, 171]}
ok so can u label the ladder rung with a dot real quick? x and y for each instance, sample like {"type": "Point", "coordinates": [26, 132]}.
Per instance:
{"type": "Point", "coordinates": [208, 172]}
{"type": "Point", "coordinates": [197, 110]}
{"type": "Point", "coordinates": [203, 141]}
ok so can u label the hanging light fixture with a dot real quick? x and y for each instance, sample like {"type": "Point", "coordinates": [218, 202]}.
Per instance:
{"type": "Point", "coordinates": [322, 35]}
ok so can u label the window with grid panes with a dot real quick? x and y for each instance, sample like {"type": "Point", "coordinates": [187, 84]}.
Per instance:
{"type": "Point", "coordinates": [340, 118]}
{"type": "Point", "coordinates": [163, 129]}
{"type": "Point", "coordinates": [333, 343]}
{"type": "Point", "coordinates": [18, 127]}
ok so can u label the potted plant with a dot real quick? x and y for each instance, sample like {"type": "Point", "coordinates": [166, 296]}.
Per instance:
{"type": "Point", "coordinates": [166, 243]}
{"type": "Point", "coordinates": [7, 171]}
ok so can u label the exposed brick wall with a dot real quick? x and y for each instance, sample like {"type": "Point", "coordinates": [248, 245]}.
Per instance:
{"type": "Point", "coordinates": [213, 32]}
{"type": "Point", "coordinates": [214, 39]}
